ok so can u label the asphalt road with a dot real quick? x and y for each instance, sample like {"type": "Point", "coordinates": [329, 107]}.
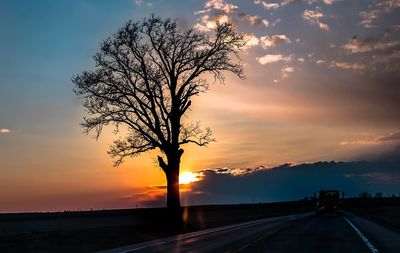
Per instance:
{"type": "Point", "coordinates": [295, 233]}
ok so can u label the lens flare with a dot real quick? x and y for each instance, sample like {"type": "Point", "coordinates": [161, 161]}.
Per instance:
{"type": "Point", "coordinates": [188, 177]}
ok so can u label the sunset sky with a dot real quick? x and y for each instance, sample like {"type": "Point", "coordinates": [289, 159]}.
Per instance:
{"type": "Point", "coordinates": [322, 83]}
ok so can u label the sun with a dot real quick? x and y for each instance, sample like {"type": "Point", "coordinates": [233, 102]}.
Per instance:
{"type": "Point", "coordinates": [188, 177]}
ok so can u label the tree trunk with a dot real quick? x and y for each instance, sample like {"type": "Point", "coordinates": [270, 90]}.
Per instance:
{"type": "Point", "coordinates": [173, 196]}
{"type": "Point", "coordinates": [172, 174]}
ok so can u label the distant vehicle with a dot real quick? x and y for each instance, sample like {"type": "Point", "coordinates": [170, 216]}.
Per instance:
{"type": "Point", "coordinates": [329, 201]}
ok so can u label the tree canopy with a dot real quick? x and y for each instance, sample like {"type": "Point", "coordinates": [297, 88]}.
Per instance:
{"type": "Point", "coordinates": [144, 79]}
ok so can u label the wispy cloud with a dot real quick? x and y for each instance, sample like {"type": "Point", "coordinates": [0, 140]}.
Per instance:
{"type": "Point", "coordinates": [373, 139]}
{"type": "Point", "coordinates": [395, 136]}
{"type": "Point", "coordinates": [142, 2]}
{"type": "Point", "coordinates": [376, 10]}
{"type": "Point", "coordinates": [392, 29]}
{"type": "Point", "coordinates": [272, 41]}
{"type": "Point", "coordinates": [220, 11]}
{"type": "Point", "coordinates": [233, 171]}
{"type": "Point", "coordinates": [266, 41]}
{"type": "Point", "coordinates": [359, 142]}
{"type": "Point", "coordinates": [329, 2]}
{"type": "Point", "coordinates": [376, 54]}
{"type": "Point", "coordinates": [387, 58]}
{"type": "Point", "coordinates": [348, 65]}
{"type": "Point", "coordinates": [387, 5]}
{"type": "Point", "coordinates": [251, 40]}
{"type": "Point", "coordinates": [271, 58]}
{"type": "Point", "coordinates": [215, 12]}
{"type": "Point", "coordinates": [254, 20]}
{"type": "Point", "coordinates": [267, 5]}
{"type": "Point", "coordinates": [221, 5]}
{"type": "Point", "coordinates": [314, 16]}
{"type": "Point", "coordinates": [285, 71]}
{"type": "Point", "coordinates": [209, 22]}
{"type": "Point", "coordinates": [368, 44]}
{"type": "Point", "coordinates": [5, 131]}
{"type": "Point", "coordinates": [286, 2]}
{"type": "Point", "coordinates": [368, 17]}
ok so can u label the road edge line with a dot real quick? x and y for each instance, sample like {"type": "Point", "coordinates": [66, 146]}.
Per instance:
{"type": "Point", "coordinates": [362, 236]}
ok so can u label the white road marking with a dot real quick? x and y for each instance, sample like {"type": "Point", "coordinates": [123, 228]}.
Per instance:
{"type": "Point", "coordinates": [365, 240]}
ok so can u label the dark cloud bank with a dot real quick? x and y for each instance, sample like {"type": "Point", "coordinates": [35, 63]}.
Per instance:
{"type": "Point", "coordinates": [292, 182]}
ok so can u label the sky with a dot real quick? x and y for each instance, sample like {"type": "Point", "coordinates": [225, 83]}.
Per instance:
{"type": "Point", "coordinates": [322, 84]}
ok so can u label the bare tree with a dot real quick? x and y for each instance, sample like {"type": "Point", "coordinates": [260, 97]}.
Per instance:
{"type": "Point", "coordinates": [144, 79]}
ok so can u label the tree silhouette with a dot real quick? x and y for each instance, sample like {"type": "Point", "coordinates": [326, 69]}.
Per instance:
{"type": "Point", "coordinates": [144, 79]}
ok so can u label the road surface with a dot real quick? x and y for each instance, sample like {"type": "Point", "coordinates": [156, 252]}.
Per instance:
{"type": "Point", "coordinates": [294, 233]}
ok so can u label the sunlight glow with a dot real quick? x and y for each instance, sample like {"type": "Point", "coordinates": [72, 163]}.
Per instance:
{"type": "Point", "coordinates": [188, 177]}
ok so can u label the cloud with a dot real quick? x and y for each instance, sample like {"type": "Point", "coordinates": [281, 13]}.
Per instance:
{"type": "Point", "coordinates": [286, 2]}
{"type": "Point", "coordinates": [285, 71]}
{"type": "Point", "coordinates": [373, 139]}
{"type": "Point", "coordinates": [368, 17]}
{"type": "Point", "coordinates": [387, 58]}
{"type": "Point", "coordinates": [395, 136]}
{"type": "Point", "coordinates": [233, 171]}
{"type": "Point", "coordinates": [348, 65]}
{"type": "Point", "coordinates": [5, 131]}
{"type": "Point", "coordinates": [393, 29]}
{"type": "Point", "coordinates": [373, 104]}
{"type": "Point", "coordinates": [380, 177]}
{"type": "Point", "coordinates": [387, 5]}
{"type": "Point", "coordinates": [272, 41]}
{"type": "Point", "coordinates": [329, 2]}
{"type": "Point", "coordinates": [141, 2]}
{"type": "Point", "coordinates": [376, 10]}
{"type": "Point", "coordinates": [215, 12]}
{"type": "Point", "coordinates": [277, 21]}
{"type": "Point", "coordinates": [378, 55]}
{"type": "Point", "coordinates": [359, 142]}
{"type": "Point", "coordinates": [368, 44]}
{"type": "Point", "coordinates": [267, 5]}
{"type": "Point", "coordinates": [271, 58]}
{"type": "Point", "coordinates": [254, 20]}
{"type": "Point", "coordinates": [314, 18]}
{"type": "Point", "coordinates": [251, 40]}
{"type": "Point", "coordinates": [208, 22]}
{"type": "Point", "coordinates": [219, 11]}
{"type": "Point", "coordinates": [291, 181]}
{"type": "Point", "coordinates": [220, 5]}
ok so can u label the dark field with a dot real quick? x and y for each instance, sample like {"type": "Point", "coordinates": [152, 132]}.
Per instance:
{"type": "Point", "coordinates": [384, 211]}
{"type": "Point", "coordinates": [97, 230]}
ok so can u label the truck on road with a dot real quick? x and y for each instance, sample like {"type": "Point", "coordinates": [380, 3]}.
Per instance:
{"type": "Point", "coordinates": [329, 201]}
